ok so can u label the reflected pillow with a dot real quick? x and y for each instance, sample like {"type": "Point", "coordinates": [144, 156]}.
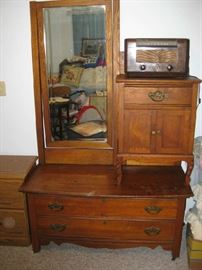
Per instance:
{"type": "Point", "coordinates": [101, 76]}
{"type": "Point", "coordinates": [71, 75]}
{"type": "Point", "coordinates": [88, 79]}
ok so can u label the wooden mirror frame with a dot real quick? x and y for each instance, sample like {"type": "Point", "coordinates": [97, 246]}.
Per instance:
{"type": "Point", "coordinates": [74, 152]}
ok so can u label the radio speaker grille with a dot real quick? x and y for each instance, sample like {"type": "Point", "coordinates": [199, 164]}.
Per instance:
{"type": "Point", "coordinates": [156, 56]}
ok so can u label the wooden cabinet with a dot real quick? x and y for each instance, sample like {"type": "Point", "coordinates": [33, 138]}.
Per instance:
{"type": "Point", "coordinates": [155, 131]}
{"type": "Point", "coordinates": [14, 228]}
{"type": "Point", "coordinates": [84, 205]}
{"type": "Point", "coordinates": [156, 119]}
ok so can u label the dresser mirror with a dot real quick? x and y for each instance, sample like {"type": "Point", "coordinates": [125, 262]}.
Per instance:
{"type": "Point", "coordinates": [74, 49]}
{"type": "Point", "coordinates": [73, 78]}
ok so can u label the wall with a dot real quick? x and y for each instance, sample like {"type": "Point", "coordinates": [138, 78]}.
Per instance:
{"type": "Point", "coordinates": [139, 18]}
{"type": "Point", "coordinates": [17, 117]}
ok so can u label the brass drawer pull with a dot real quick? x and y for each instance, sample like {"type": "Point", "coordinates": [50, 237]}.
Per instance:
{"type": "Point", "coordinates": [58, 227]}
{"type": "Point", "coordinates": [153, 209]}
{"type": "Point", "coordinates": [151, 231]}
{"type": "Point", "coordinates": [55, 206]}
{"type": "Point", "coordinates": [157, 96]}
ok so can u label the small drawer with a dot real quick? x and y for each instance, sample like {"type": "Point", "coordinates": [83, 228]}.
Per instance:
{"type": "Point", "coordinates": [10, 197]}
{"type": "Point", "coordinates": [172, 96]}
{"type": "Point", "coordinates": [108, 229]}
{"type": "Point", "coordinates": [12, 224]}
{"type": "Point", "coordinates": [106, 207]}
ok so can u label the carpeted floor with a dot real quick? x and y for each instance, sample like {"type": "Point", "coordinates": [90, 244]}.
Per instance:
{"type": "Point", "coordinates": [72, 257]}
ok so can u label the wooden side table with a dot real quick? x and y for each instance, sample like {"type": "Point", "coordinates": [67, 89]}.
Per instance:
{"type": "Point", "coordinates": [14, 228]}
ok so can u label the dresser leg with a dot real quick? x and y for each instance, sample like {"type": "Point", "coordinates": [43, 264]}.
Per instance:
{"type": "Point", "coordinates": [190, 166]}
{"type": "Point", "coordinates": [36, 247]}
{"type": "Point", "coordinates": [178, 229]}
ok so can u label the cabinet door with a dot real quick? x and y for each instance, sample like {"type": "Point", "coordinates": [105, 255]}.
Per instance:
{"type": "Point", "coordinates": [155, 131]}
{"type": "Point", "coordinates": [172, 131]}
{"type": "Point", "coordinates": [136, 131]}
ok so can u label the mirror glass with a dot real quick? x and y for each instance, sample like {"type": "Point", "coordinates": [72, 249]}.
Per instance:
{"type": "Point", "coordinates": [75, 55]}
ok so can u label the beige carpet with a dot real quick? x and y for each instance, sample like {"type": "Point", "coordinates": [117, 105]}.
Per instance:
{"type": "Point", "coordinates": [72, 257]}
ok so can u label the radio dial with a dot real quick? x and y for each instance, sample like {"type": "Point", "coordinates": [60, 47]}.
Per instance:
{"type": "Point", "coordinates": [142, 67]}
{"type": "Point", "coordinates": [169, 67]}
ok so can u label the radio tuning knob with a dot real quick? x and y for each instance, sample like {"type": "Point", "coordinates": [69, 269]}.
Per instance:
{"type": "Point", "coordinates": [142, 67]}
{"type": "Point", "coordinates": [169, 67]}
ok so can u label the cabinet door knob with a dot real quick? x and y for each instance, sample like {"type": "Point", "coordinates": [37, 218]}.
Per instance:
{"type": "Point", "coordinates": [153, 209]}
{"type": "Point", "coordinates": [152, 231]}
{"type": "Point", "coordinates": [58, 227]}
{"type": "Point", "coordinates": [156, 132]}
{"type": "Point", "coordinates": [157, 96]}
{"type": "Point", "coordinates": [55, 206]}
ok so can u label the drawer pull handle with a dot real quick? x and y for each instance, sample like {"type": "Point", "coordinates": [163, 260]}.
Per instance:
{"type": "Point", "coordinates": [58, 227]}
{"type": "Point", "coordinates": [153, 209]}
{"type": "Point", "coordinates": [56, 206]}
{"type": "Point", "coordinates": [151, 231]}
{"type": "Point", "coordinates": [157, 96]}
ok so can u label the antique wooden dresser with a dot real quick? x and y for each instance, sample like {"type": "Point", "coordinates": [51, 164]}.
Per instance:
{"type": "Point", "coordinates": [84, 205]}
{"type": "Point", "coordinates": [121, 186]}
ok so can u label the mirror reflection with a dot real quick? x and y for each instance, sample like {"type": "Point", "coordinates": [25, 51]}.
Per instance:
{"type": "Point", "coordinates": [76, 67]}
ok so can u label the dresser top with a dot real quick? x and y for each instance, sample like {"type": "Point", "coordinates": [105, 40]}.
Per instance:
{"type": "Point", "coordinates": [16, 166]}
{"type": "Point", "coordinates": [122, 78]}
{"type": "Point", "coordinates": [100, 181]}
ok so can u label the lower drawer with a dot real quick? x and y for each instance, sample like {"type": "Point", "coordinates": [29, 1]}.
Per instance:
{"type": "Point", "coordinates": [12, 224]}
{"type": "Point", "coordinates": [108, 207]}
{"type": "Point", "coordinates": [116, 229]}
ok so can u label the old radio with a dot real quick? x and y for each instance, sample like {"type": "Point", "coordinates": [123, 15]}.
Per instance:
{"type": "Point", "coordinates": [156, 57]}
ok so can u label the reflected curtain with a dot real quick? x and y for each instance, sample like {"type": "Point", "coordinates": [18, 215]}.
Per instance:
{"type": "Point", "coordinates": [87, 26]}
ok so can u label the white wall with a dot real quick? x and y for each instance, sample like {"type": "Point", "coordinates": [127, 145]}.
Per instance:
{"type": "Point", "coordinates": [17, 116]}
{"type": "Point", "coordinates": [139, 18]}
